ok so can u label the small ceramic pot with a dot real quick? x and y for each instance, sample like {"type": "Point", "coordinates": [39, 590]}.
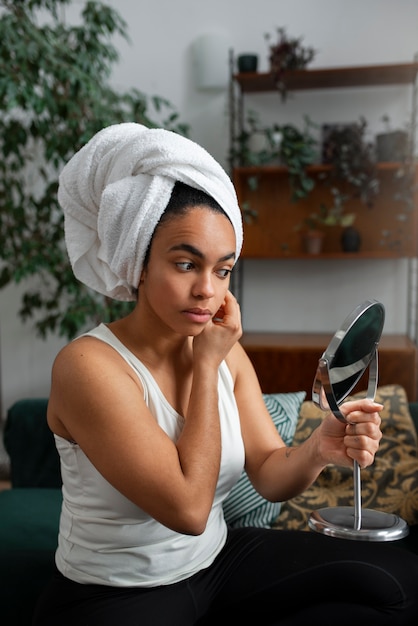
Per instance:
{"type": "Point", "coordinates": [247, 63]}
{"type": "Point", "coordinates": [312, 241]}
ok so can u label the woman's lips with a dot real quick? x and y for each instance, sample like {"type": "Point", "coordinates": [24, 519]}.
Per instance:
{"type": "Point", "coordinates": [202, 316]}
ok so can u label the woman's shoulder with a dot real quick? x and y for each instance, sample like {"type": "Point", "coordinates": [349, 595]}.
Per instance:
{"type": "Point", "coordinates": [85, 343]}
{"type": "Point", "coordinates": [86, 353]}
{"type": "Point", "coordinates": [237, 361]}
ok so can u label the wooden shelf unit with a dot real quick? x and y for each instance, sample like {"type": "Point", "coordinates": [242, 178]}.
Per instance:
{"type": "Point", "coordinates": [389, 228]}
{"type": "Point", "coordinates": [287, 362]}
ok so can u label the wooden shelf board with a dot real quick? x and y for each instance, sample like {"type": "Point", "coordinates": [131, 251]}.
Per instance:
{"type": "Point", "coordinates": [331, 78]}
{"type": "Point", "coordinates": [362, 254]}
{"type": "Point", "coordinates": [315, 168]}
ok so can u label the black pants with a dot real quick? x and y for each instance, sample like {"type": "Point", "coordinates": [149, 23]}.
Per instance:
{"type": "Point", "coordinates": [265, 577]}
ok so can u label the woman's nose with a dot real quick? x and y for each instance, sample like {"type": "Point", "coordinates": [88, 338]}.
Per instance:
{"type": "Point", "coordinates": [203, 287]}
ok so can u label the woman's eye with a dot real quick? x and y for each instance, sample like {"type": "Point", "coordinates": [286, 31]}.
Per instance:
{"type": "Point", "coordinates": [223, 273]}
{"type": "Point", "coordinates": [186, 266]}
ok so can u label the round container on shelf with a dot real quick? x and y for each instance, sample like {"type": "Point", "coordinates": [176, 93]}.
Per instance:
{"type": "Point", "coordinates": [350, 239]}
{"type": "Point", "coordinates": [247, 63]}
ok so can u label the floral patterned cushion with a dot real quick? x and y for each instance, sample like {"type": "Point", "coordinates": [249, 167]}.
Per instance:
{"type": "Point", "coordinates": [390, 484]}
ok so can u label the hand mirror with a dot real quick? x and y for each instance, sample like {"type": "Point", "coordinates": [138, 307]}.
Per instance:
{"type": "Point", "coordinates": [352, 351]}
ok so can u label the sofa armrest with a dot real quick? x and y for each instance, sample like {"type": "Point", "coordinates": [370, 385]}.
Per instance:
{"type": "Point", "coordinates": [34, 460]}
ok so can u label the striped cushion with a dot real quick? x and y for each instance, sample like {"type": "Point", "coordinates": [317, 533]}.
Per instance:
{"type": "Point", "coordinates": [244, 506]}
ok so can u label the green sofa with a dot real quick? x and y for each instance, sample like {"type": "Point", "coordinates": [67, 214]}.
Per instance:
{"type": "Point", "coordinates": [29, 511]}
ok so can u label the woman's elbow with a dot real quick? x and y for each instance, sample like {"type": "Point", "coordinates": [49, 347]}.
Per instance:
{"type": "Point", "coordinates": [190, 521]}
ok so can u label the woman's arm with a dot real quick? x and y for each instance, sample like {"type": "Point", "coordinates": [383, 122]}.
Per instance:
{"type": "Point", "coordinates": [279, 472]}
{"type": "Point", "coordinates": [97, 401]}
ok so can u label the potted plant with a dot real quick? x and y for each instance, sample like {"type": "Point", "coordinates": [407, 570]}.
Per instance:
{"type": "Point", "coordinates": [287, 53]}
{"type": "Point", "coordinates": [283, 144]}
{"type": "Point", "coordinates": [352, 157]}
{"type": "Point", "coordinates": [312, 227]}
{"type": "Point", "coordinates": [55, 95]}
{"type": "Point", "coordinates": [312, 235]}
{"type": "Point", "coordinates": [252, 146]}
{"type": "Point", "coordinates": [297, 150]}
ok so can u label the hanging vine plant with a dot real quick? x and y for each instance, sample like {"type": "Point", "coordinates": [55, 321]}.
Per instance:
{"type": "Point", "coordinates": [353, 160]}
{"type": "Point", "coordinates": [54, 96]}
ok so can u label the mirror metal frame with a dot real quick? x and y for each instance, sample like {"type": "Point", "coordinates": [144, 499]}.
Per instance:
{"type": "Point", "coordinates": [352, 522]}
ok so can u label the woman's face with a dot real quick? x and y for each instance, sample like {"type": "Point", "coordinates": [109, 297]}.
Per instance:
{"type": "Point", "coordinates": [189, 268]}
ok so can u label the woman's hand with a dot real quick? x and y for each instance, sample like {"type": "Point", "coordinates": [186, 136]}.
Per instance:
{"type": "Point", "coordinates": [358, 440]}
{"type": "Point", "coordinates": [214, 343]}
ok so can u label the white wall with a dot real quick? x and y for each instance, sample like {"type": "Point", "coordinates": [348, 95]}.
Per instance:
{"type": "Point", "coordinates": [278, 295]}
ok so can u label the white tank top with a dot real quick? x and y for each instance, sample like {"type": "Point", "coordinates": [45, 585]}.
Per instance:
{"type": "Point", "coordinates": [106, 539]}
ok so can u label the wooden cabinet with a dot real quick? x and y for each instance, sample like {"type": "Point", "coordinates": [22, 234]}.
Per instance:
{"type": "Point", "coordinates": [388, 229]}
{"type": "Point", "coordinates": [287, 362]}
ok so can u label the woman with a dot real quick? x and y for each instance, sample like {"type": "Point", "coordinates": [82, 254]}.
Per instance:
{"type": "Point", "coordinates": [156, 414]}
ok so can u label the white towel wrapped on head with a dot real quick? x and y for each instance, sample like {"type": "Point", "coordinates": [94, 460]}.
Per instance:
{"type": "Point", "coordinates": [113, 192]}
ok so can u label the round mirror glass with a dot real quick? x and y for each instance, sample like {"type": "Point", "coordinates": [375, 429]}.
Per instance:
{"type": "Point", "coordinates": [350, 352]}
{"type": "Point", "coordinates": [355, 350]}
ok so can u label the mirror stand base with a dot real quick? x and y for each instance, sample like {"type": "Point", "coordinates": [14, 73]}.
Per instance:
{"type": "Point", "coordinates": [340, 522]}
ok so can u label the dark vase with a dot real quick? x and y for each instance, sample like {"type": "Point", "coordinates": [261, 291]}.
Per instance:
{"type": "Point", "coordinates": [247, 63]}
{"type": "Point", "coordinates": [350, 239]}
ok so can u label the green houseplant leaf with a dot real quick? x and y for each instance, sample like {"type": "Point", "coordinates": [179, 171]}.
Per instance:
{"type": "Point", "coordinates": [54, 96]}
